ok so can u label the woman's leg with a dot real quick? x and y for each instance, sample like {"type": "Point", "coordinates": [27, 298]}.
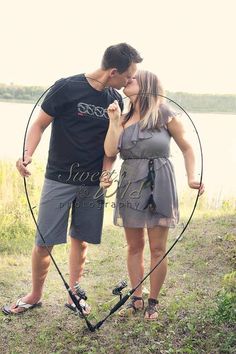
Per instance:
{"type": "Point", "coordinates": [135, 260]}
{"type": "Point", "coordinates": [157, 242]}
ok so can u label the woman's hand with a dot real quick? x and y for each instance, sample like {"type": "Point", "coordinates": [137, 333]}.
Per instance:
{"type": "Point", "coordinates": [196, 185]}
{"type": "Point", "coordinates": [114, 112]}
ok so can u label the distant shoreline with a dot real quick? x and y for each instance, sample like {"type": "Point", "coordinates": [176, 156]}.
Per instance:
{"type": "Point", "coordinates": [10, 100]}
{"type": "Point", "coordinates": [188, 111]}
{"type": "Point", "coordinates": [191, 102]}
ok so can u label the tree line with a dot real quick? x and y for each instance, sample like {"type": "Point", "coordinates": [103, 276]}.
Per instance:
{"type": "Point", "coordinates": [189, 101]}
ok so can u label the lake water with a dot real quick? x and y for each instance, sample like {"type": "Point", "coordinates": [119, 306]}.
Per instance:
{"type": "Point", "coordinates": [216, 131]}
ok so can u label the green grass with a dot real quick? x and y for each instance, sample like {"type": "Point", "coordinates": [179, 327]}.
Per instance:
{"type": "Point", "coordinates": [197, 302]}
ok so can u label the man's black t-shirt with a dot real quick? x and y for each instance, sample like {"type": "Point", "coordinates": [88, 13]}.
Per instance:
{"type": "Point", "coordinates": [79, 128]}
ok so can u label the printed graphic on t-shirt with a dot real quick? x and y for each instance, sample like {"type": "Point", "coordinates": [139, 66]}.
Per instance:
{"type": "Point", "coordinates": [91, 110]}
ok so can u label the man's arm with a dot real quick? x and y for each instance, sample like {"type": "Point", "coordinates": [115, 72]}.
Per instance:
{"type": "Point", "coordinates": [33, 138]}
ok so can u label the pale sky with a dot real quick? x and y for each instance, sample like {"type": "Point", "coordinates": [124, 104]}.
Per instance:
{"type": "Point", "coordinates": [189, 44]}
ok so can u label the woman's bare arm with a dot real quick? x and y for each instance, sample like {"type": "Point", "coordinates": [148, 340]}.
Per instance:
{"type": "Point", "coordinates": [178, 133]}
{"type": "Point", "coordinates": [114, 131]}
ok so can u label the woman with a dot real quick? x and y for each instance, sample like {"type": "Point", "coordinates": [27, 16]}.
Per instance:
{"type": "Point", "coordinates": [146, 196]}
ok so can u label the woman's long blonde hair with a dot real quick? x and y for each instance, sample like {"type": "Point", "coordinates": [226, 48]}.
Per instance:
{"type": "Point", "coordinates": [149, 99]}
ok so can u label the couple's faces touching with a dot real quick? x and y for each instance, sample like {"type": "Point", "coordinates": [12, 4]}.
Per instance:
{"type": "Point", "coordinates": [131, 90]}
{"type": "Point", "coordinates": [126, 80]}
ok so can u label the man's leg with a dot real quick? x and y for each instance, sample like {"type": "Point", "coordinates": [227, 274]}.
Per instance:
{"type": "Point", "coordinates": [40, 267]}
{"type": "Point", "coordinates": [86, 225]}
{"type": "Point", "coordinates": [77, 257]}
{"type": "Point", "coordinates": [52, 221]}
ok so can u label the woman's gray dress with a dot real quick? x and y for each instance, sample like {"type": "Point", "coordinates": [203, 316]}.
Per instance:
{"type": "Point", "coordinates": [146, 195]}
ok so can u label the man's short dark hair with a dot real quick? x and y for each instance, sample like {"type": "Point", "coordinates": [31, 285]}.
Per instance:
{"type": "Point", "coordinates": [120, 56]}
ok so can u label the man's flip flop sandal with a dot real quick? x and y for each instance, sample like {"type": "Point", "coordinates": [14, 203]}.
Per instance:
{"type": "Point", "coordinates": [20, 304]}
{"type": "Point", "coordinates": [86, 308]}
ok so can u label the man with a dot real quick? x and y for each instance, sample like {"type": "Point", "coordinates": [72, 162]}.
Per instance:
{"type": "Point", "coordinates": [76, 108]}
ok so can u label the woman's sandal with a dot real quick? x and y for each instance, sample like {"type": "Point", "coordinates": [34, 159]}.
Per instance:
{"type": "Point", "coordinates": [130, 308]}
{"type": "Point", "coordinates": [151, 310]}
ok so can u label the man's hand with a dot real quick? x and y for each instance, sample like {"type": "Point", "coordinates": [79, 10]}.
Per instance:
{"type": "Point", "coordinates": [21, 165]}
{"type": "Point", "coordinates": [105, 180]}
